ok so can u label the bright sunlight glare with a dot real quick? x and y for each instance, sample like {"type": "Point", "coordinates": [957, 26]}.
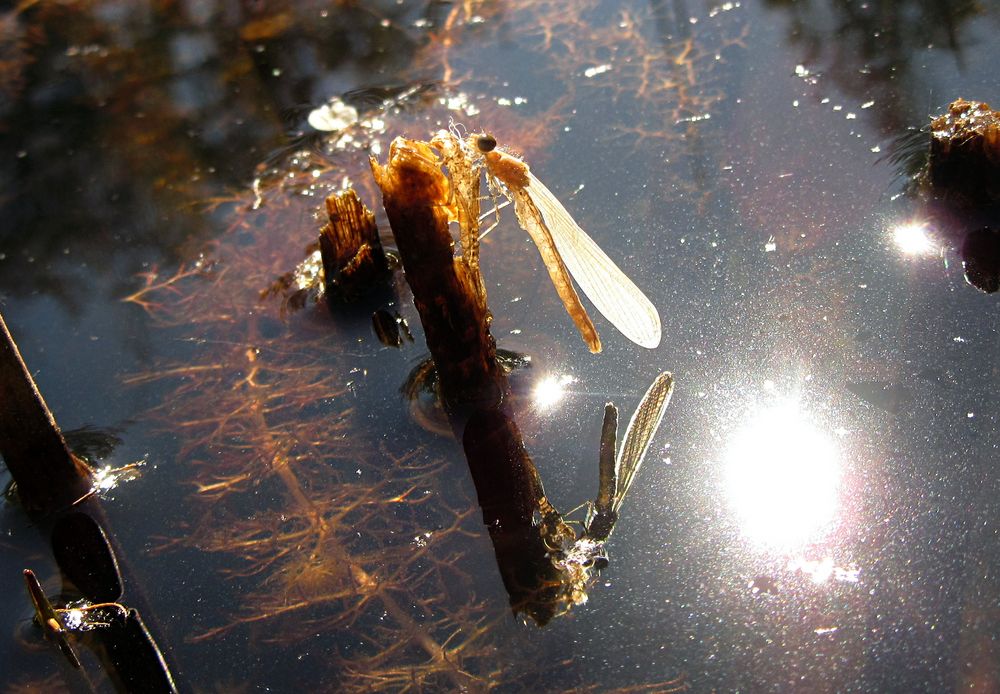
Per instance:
{"type": "Point", "coordinates": [912, 238]}
{"type": "Point", "coordinates": [782, 478]}
{"type": "Point", "coordinates": [550, 390]}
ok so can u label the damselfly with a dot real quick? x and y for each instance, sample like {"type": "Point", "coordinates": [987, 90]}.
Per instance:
{"type": "Point", "coordinates": [567, 251]}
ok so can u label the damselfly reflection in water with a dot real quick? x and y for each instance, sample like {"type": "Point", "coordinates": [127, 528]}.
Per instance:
{"type": "Point", "coordinates": [577, 555]}
{"type": "Point", "coordinates": [566, 249]}
{"type": "Point", "coordinates": [617, 472]}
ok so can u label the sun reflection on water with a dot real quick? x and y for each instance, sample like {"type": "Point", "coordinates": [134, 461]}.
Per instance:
{"type": "Point", "coordinates": [549, 391]}
{"type": "Point", "coordinates": [782, 477]}
{"type": "Point", "coordinates": [913, 238]}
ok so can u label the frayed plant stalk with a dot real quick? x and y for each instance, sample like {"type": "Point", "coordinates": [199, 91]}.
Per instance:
{"type": "Point", "coordinates": [345, 263]}
{"type": "Point", "coordinates": [965, 153]}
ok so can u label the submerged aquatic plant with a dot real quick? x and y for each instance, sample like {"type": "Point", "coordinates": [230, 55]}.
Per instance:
{"type": "Point", "coordinates": [316, 515]}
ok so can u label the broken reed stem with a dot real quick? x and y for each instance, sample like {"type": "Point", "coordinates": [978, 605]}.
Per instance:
{"type": "Point", "coordinates": [48, 476]}
{"type": "Point", "coordinates": [50, 479]}
{"type": "Point", "coordinates": [418, 201]}
{"type": "Point", "coordinates": [450, 297]}
{"type": "Point", "coordinates": [353, 259]}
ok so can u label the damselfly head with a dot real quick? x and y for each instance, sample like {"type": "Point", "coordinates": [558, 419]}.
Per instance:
{"type": "Point", "coordinates": [485, 143]}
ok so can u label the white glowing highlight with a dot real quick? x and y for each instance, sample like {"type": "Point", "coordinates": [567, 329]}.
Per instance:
{"type": "Point", "coordinates": [822, 570]}
{"type": "Point", "coordinates": [105, 478]}
{"type": "Point", "coordinates": [782, 478]}
{"type": "Point", "coordinates": [913, 238]}
{"type": "Point", "coordinates": [73, 619]}
{"type": "Point", "coordinates": [550, 390]}
{"type": "Point", "coordinates": [333, 116]}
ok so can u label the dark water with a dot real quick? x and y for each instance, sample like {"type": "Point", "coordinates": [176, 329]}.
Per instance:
{"type": "Point", "coordinates": [819, 511]}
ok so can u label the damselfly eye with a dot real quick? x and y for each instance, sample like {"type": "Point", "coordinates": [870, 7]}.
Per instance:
{"type": "Point", "coordinates": [486, 143]}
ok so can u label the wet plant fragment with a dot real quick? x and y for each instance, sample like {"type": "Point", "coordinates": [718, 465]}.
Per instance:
{"type": "Point", "coordinates": [353, 259]}
{"type": "Point", "coordinates": [956, 180]}
{"type": "Point", "coordinates": [92, 613]}
{"type": "Point", "coordinates": [965, 153]}
{"type": "Point", "coordinates": [346, 262]}
{"type": "Point", "coordinates": [448, 290]}
{"type": "Point", "coordinates": [48, 618]}
{"type": "Point", "coordinates": [449, 294]}
{"type": "Point", "coordinates": [48, 476]}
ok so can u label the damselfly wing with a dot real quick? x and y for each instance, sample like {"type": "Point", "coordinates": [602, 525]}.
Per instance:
{"type": "Point", "coordinates": [601, 280]}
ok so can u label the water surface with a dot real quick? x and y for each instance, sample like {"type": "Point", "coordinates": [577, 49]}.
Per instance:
{"type": "Point", "coordinates": [819, 510]}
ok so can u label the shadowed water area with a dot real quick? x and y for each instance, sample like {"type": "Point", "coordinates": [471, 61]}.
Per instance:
{"type": "Point", "coordinates": [820, 508]}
